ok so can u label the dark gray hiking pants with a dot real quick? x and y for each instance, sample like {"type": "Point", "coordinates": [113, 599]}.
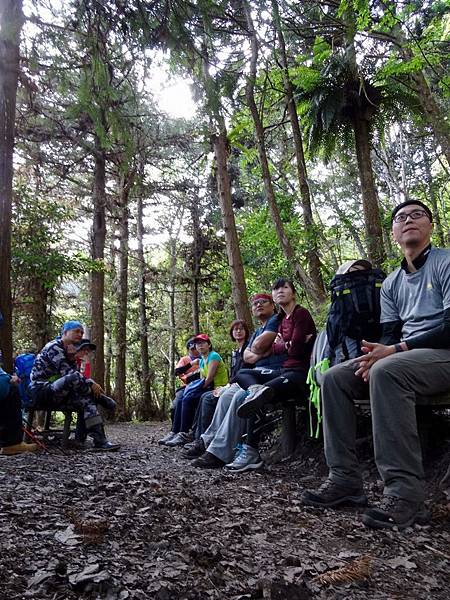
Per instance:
{"type": "Point", "coordinates": [394, 383]}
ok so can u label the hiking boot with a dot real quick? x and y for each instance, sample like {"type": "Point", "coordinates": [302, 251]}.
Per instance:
{"type": "Point", "coordinates": [189, 445]}
{"type": "Point", "coordinates": [107, 447]}
{"type": "Point", "coordinates": [331, 494]}
{"type": "Point", "coordinates": [396, 512]}
{"type": "Point", "coordinates": [179, 439]}
{"type": "Point", "coordinates": [18, 449]}
{"type": "Point", "coordinates": [163, 441]}
{"type": "Point", "coordinates": [197, 448]}
{"type": "Point", "coordinates": [255, 401]}
{"type": "Point", "coordinates": [248, 459]}
{"type": "Point", "coordinates": [207, 461]}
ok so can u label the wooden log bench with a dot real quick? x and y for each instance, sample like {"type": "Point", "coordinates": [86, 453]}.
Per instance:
{"type": "Point", "coordinates": [289, 415]}
{"type": "Point", "coordinates": [288, 421]}
{"type": "Point", "coordinates": [436, 401]}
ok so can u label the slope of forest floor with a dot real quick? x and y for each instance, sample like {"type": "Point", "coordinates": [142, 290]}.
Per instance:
{"type": "Point", "coordinates": [143, 523]}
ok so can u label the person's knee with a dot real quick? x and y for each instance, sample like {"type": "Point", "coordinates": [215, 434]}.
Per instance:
{"type": "Point", "coordinates": [66, 382]}
{"type": "Point", "coordinates": [385, 368]}
{"type": "Point", "coordinates": [332, 375]}
{"type": "Point", "coordinates": [208, 398]}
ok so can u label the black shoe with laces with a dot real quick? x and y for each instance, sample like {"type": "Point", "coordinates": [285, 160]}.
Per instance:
{"type": "Point", "coordinates": [208, 461]}
{"type": "Point", "coordinates": [396, 512]}
{"type": "Point", "coordinates": [196, 449]}
{"type": "Point", "coordinates": [331, 494]}
{"type": "Point", "coordinates": [107, 447]}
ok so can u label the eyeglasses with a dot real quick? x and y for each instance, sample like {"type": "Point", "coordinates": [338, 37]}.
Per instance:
{"type": "Point", "coordinates": [260, 302]}
{"type": "Point", "coordinates": [415, 214]}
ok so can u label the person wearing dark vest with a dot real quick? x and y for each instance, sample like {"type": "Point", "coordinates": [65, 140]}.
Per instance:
{"type": "Point", "coordinates": [412, 358]}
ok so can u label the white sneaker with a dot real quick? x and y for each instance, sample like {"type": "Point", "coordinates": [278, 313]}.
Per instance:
{"type": "Point", "coordinates": [248, 459]}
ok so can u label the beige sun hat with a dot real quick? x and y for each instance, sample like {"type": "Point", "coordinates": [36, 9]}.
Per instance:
{"type": "Point", "coordinates": [359, 264]}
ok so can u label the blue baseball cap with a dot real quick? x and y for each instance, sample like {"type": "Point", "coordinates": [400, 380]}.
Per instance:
{"type": "Point", "coordinates": [71, 325]}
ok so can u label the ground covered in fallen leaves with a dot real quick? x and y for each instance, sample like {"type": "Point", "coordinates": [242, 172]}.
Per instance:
{"type": "Point", "coordinates": [143, 523]}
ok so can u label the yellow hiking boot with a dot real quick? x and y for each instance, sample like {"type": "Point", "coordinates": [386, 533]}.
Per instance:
{"type": "Point", "coordinates": [18, 449]}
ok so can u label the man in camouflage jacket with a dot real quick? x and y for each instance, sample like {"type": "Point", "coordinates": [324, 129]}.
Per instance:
{"type": "Point", "coordinates": [56, 383]}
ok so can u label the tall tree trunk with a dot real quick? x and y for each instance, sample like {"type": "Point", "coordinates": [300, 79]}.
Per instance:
{"type": "Point", "coordinates": [110, 319]}
{"type": "Point", "coordinates": [363, 145]}
{"type": "Point", "coordinates": [37, 311]}
{"type": "Point", "coordinates": [219, 143]}
{"type": "Point", "coordinates": [372, 221]}
{"type": "Point", "coordinates": [238, 286]}
{"type": "Point", "coordinates": [172, 319]}
{"type": "Point", "coordinates": [108, 358]}
{"type": "Point", "coordinates": [122, 302]}
{"type": "Point", "coordinates": [314, 295]}
{"type": "Point", "coordinates": [11, 21]}
{"type": "Point", "coordinates": [197, 253]}
{"type": "Point", "coordinates": [147, 411]}
{"type": "Point", "coordinates": [98, 277]}
{"type": "Point", "coordinates": [312, 254]}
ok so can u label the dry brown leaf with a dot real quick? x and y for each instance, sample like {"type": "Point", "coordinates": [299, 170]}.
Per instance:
{"type": "Point", "coordinates": [93, 530]}
{"type": "Point", "coordinates": [356, 570]}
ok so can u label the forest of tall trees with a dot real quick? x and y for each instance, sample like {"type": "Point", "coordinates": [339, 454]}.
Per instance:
{"type": "Point", "coordinates": [313, 119]}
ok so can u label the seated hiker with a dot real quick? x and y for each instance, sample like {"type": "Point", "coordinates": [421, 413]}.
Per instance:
{"type": "Point", "coordinates": [413, 357]}
{"type": "Point", "coordinates": [226, 429]}
{"type": "Point", "coordinates": [296, 335]}
{"type": "Point", "coordinates": [213, 375]}
{"type": "Point", "coordinates": [84, 351]}
{"type": "Point", "coordinates": [187, 370]}
{"type": "Point", "coordinates": [239, 333]}
{"type": "Point", "coordinates": [56, 384]}
{"type": "Point", "coordinates": [81, 353]}
{"type": "Point", "coordinates": [11, 417]}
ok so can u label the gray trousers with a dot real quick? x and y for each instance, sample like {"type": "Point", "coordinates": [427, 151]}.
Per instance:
{"type": "Point", "coordinates": [393, 385]}
{"type": "Point", "coordinates": [226, 428]}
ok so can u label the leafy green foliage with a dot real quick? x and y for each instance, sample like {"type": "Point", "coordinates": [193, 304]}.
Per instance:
{"type": "Point", "coordinates": [40, 227]}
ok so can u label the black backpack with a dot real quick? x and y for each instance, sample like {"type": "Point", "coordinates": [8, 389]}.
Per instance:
{"type": "Point", "coordinates": [355, 309]}
{"type": "Point", "coordinates": [354, 315]}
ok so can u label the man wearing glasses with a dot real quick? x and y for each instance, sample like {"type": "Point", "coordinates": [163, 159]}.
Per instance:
{"type": "Point", "coordinates": [413, 357]}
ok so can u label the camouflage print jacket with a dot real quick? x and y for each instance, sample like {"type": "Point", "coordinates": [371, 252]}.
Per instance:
{"type": "Point", "coordinates": [51, 363]}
